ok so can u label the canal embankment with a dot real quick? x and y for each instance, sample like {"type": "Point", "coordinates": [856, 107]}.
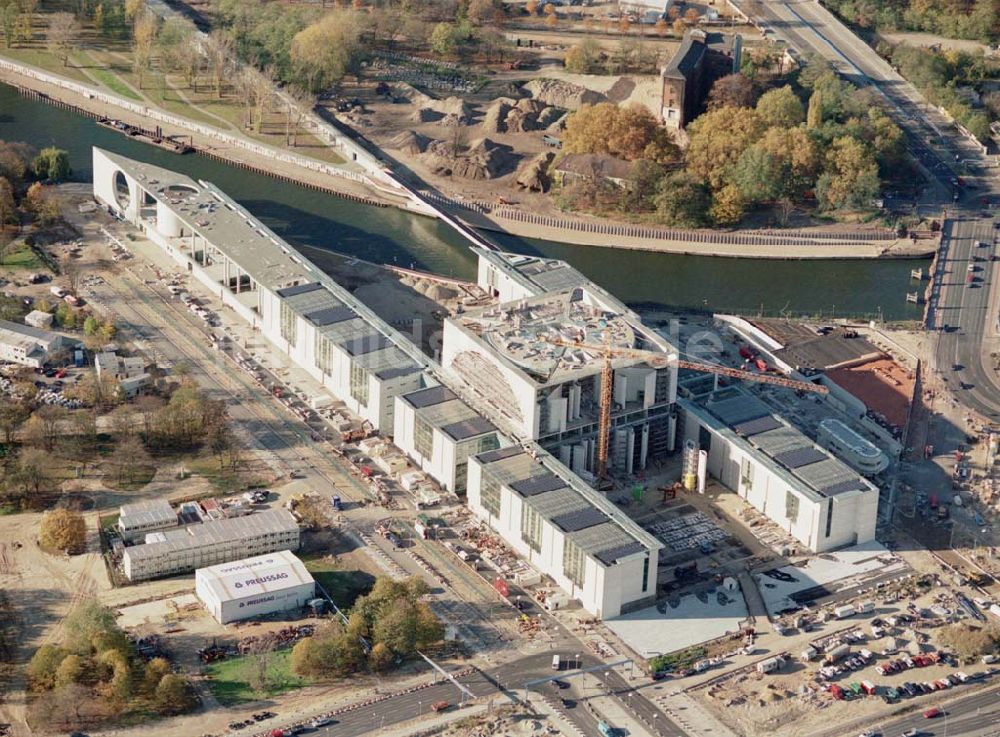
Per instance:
{"type": "Point", "coordinates": [362, 181]}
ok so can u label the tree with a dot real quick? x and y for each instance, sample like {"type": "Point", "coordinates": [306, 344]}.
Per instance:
{"type": "Point", "coordinates": [143, 38]}
{"type": "Point", "coordinates": [644, 177]}
{"type": "Point", "coordinates": [551, 20]}
{"type": "Point", "coordinates": [583, 58]}
{"type": "Point", "coordinates": [63, 30]}
{"type": "Point", "coordinates": [43, 667]}
{"type": "Point", "coordinates": [682, 200]}
{"type": "Point", "coordinates": [606, 128]}
{"type": "Point", "coordinates": [14, 158]}
{"type": "Point", "coordinates": [64, 530]}
{"type": "Point", "coordinates": [717, 140]}
{"type": "Point", "coordinates": [325, 51]}
{"type": "Point", "coordinates": [727, 206]}
{"type": "Point", "coordinates": [733, 90]}
{"type": "Point", "coordinates": [128, 460]}
{"type": "Point", "coordinates": [299, 103]}
{"type": "Point", "coordinates": [89, 624]}
{"type": "Point", "coordinates": [12, 415]}
{"type": "Point", "coordinates": [219, 50]}
{"type": "Point", "coordinates": [8, 207]}
{"type": "Point", "coordinates": [757, 177]}
{"type": "Point", "coordinates": [692, 16]}
{"type": "Point", "coordinates": [443, 42]}
{"type": "Point", "coordinates": [799, 156]}
{"type": "Point", "coordinates": [72, 669]}
{"type": "Point", "coordinates": [661, 27]}
{"type": "Point", "coordinates": [481, 12]}
{"type": "Point", "coordinates": [52, 164]}
{"type": "Point", "coordinates": [152, 674]}
{"type": "Point", "coordinates": [780, 107]}
{"type": "Point", "coordinates": [380, 658]}
{"type": "Point", "coordinates": [174, 695]}
{"type": "Point", "coordinates": [531, 7]}
{"type": "Point", "coordinates": [43, 427]}
{"type": "Point", "coordinates": [42, 202]}
{"type": "Point", "coordinates": [10, 17]}
{"type": "Point", "coordinates": [31, 474]}
{"type": "Point", "coordinates": [850, 178]}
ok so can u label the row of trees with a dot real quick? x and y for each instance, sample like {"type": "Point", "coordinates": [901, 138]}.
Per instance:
{"type": "Point", "coordinates": [95, 674]}
{"type": "Point", "coordinates": [385, 627]}
{"type": "Point", "coordinates": [940, 75]}
{"type": "Point", "coordinates": [972, 19]}
{"type": "Point", "coordinates": [745, 152]}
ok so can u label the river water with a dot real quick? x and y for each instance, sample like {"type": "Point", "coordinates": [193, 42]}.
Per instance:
{"type": "Point", "coordinates": [317, 220]}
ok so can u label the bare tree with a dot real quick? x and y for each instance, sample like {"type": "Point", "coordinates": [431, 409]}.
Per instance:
{"type": "Point", "coordinates": [63, 30]}
{"type": "Point", "coordinates": [298, 103]}
{"type": "Point", "coordinates": [219, 51]}
{"type": "Point", "coordinates": [143, 39]}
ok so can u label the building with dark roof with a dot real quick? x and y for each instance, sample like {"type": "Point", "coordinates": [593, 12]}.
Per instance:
{"type": "Point", "coordinates": [317, 323]}
{"type": "Point", "coordinates": [688, 76]}
{"type": "Point", "coordinates": [565, 529]}
{"type": "Point", "coordinates": [815, 497]}
{"type": "Point", "coordinates": [438, 431]}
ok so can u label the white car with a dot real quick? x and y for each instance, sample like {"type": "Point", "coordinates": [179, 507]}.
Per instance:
{"type": "Point", "coordinates": [911, 732]}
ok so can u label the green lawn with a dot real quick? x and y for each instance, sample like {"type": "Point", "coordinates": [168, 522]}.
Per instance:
{"type": "Point", "coordinates": [110, 80]}
{"type": "Point", "coordinates": [44, 59]}
{"type": "Point", "coordinates": [230, 679]}
{"type": "Point", "coordinates": [342, 586]}
{"type": "Point", "coordinates": [22, 256]}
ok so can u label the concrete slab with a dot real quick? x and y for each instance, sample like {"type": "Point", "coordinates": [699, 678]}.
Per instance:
{"type": "Point", "coordinates": [846, 570]}
{"type": "Point", "coordinates": [664, 628]}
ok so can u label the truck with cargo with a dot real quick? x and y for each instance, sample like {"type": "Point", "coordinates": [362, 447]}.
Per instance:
{"type": "Point", "coordinates": [866, 607]}
{"type": "Point", "coordinates": [844, 611]}
{"type": "Point", "coordinates": [868, 687]}
{"type": "Point", "coordinates": [836, 653]}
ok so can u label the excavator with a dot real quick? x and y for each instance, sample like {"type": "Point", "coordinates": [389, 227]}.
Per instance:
{"type": "Point", "coordinates": [657, 359]}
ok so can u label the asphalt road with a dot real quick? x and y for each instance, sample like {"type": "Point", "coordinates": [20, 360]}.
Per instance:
{"type": "Point", "coordinates": [961, 311]}
{"type": "Point", "coordinates": [977, 715]}
{"type": "Point", "coordinates": [812, 30]}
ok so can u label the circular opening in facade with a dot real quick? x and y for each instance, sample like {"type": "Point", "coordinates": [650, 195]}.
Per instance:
{"type": "Point", "coordinates": [122, 195]}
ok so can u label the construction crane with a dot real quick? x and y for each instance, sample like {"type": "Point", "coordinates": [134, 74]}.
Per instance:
{"type": "Point", "coordinates": [654, 358]}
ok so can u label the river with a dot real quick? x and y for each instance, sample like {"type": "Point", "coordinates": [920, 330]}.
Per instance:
{"type": "Point", "coordinates": [311, 219]}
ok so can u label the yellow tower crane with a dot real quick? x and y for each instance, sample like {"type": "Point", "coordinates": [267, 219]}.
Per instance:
{"type": "Point", "coordinates": [654, 358]}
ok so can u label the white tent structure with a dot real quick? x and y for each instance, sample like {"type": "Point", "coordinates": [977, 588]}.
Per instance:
{"type": "Point", "coordinates": [274, 582]}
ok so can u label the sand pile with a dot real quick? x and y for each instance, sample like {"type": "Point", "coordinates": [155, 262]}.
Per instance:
{"type": "Point", "coordinates": [495, 120]}
{"type": "Point", "coordinates": [524, 116]}
{"type": "Point", "coordinates": [562, 94]}
{"type": "Point", "coordinates": [533, 174]}
{"type": "Point", "coordinates": [411, 142]}
{"type": "Point", "coordinates": [483, 159]}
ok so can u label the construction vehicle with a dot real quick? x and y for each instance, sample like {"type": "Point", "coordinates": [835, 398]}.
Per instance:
{"type": "Point", "coordinates": [656, 358]}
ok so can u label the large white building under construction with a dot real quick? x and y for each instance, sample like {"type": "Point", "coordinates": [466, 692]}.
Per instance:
{"type": "Point", "coordinates": [509, 417]}
{"type": "Point", "coordinates": [345, 346]}
{"type": "Point", "coordinates": [816, 498]}
{"type": "Point", "coordinates": [505, 357]}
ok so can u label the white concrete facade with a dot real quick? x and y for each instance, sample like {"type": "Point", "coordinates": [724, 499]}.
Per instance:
{"type": "Point", "coordinates": [609, 568]}
{"type": "Point", "coordinates": [851, 448]}
{"type": "Point", "coordinates": [254, 587]}
{"type": "Point", "coordinates": [27, 345]}
{"type": "Point", "coordinates": [439, 432]}
{"type": "Point", "coordinates": [358, 358]}
{"type": "Point", "coordinates": [841, 516]}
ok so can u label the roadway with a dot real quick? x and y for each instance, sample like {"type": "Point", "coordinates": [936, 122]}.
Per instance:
{"type": "Point", "coordinates": [962, 311]}
{"type": "Point", "coordinates": [810, 29]}
{"type": "Point", "coordinates": [976, 715]}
